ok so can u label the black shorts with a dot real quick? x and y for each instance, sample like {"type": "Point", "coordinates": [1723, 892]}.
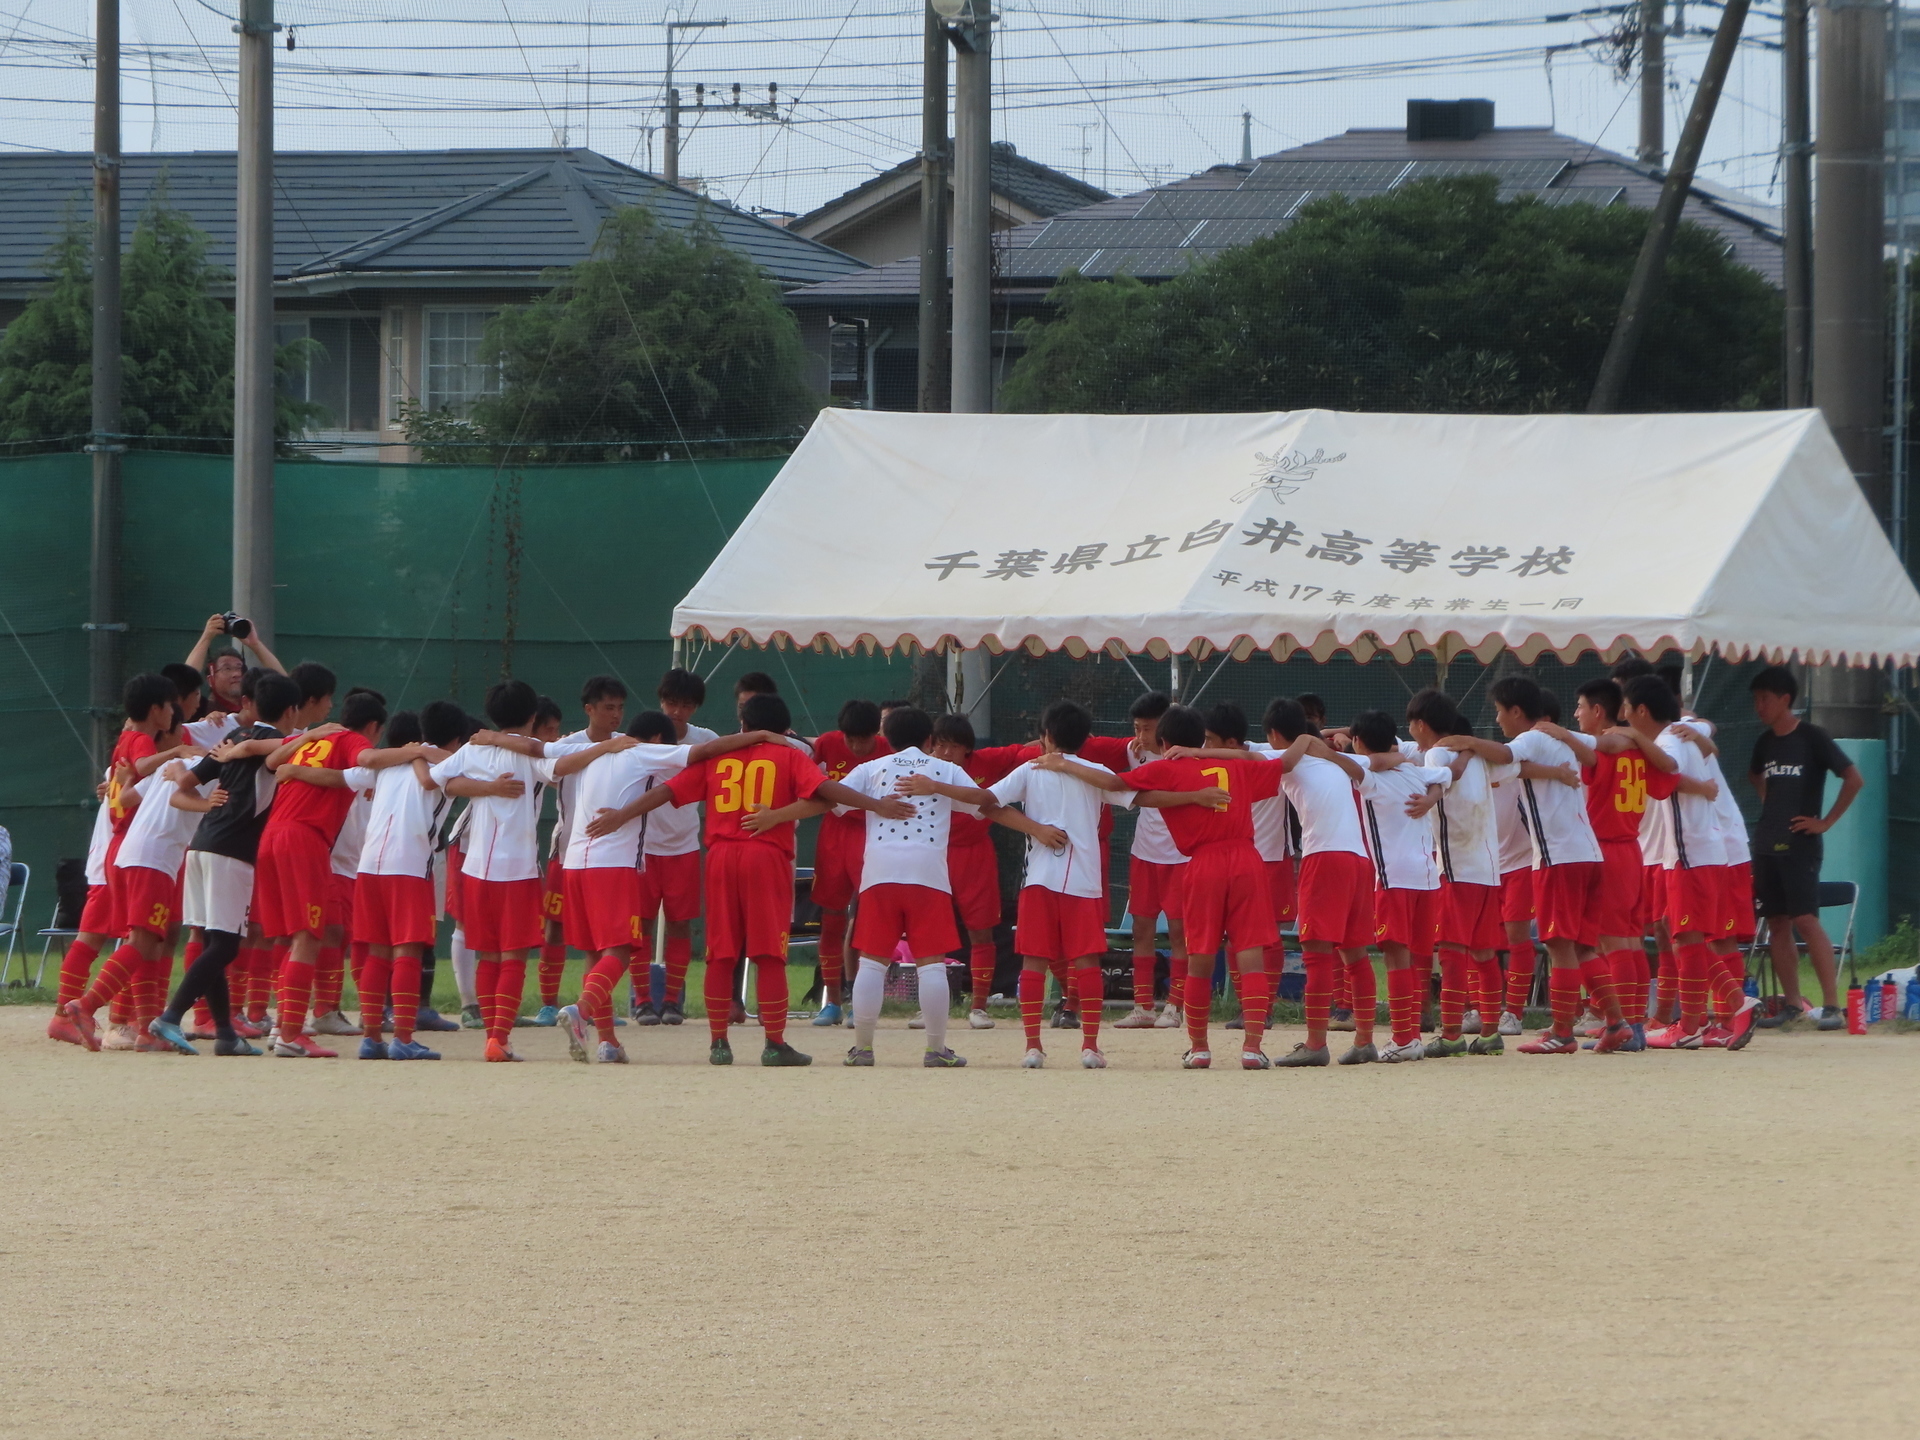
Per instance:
{"type": "Point", "coordinates": [1787, 884]}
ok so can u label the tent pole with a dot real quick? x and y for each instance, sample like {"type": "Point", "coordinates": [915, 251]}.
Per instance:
{"type": "Point", "coordinates": [1173, 681]}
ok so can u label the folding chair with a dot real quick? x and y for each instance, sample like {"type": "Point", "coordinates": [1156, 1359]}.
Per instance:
{"type": "Point", "coordinates": [13, 903]}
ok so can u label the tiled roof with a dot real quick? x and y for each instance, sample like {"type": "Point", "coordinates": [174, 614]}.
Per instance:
{"type": "Point", "coordinates": [1038, 188]}
{"type": "Point", "coordinates": [469, 215]}
{"type": "Point", "coordinates": [1158, 233]}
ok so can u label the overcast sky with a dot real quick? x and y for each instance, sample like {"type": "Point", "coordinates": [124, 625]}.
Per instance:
{"type": "Point", "coordinates": [1122, 92]}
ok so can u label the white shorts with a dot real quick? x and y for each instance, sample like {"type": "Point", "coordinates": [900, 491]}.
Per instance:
{"type": "Point", "coordinates": [216, 893]}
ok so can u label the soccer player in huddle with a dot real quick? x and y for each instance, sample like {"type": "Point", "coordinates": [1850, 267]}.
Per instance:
{"type": "Point", "coordinates": [840, 846]}
{"type": "Point", "coordinates": [670, 878]}
{"type": "Point", "coordinates": [973, 865]}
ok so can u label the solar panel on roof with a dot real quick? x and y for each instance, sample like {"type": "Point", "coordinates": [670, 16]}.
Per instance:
{"type": "Point", "coordinates": [1135, 233]}
{"type": "Point", "coordinates": [1216, 204]}
{"type": "Point", "coordinates": [1600, 195]}
{"type": "Point", "coordinates": [1513, 174]}
{"type": "Point", "coordinates": [1146, 263]}
{"type": "Point", "coordinates": [1347, 175]}
{"type": "Point", "coordinates": [1223, 234]}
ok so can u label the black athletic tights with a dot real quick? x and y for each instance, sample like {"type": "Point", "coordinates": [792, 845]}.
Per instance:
{"type": "Point", "coordinates": [206, 979]}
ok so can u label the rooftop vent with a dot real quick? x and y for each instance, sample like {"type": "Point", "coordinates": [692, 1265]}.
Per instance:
{"type": "Point", "coordinates": [1448, 119]}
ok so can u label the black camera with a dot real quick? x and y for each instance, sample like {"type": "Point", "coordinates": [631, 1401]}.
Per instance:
{"type": "Point", "coordinates": [238, 626]}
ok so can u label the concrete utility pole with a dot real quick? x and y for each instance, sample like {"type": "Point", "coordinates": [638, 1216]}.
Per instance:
{"type": "Point", "coordinates": [1643, 290]}
{"type": "Point", "coordinates": [253, 375]}
{"type": "Point", "coordinates": [973, 209]}
{"type": "Point", "coordinates": [935, 157]}
{"type": "Point", "coordinates": [104, 626]}
{"type": "Point", "coordinates": [1652, 149]}
{"type": "Point", "coordinates": [1246, 137]}
{"type": "Point", "coordinates": [1796, 164]}
{"type": "Point", "coordinates": [1849, 296]}
{"type": "Point", "coordinates": [671, 168]}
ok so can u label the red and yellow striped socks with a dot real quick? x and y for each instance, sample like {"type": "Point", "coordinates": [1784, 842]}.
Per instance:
{"type": "Point", "coordinates": [1597, 974]}
{"type": "Point", "coordinates": [75, 966]}
{"type": "Point", "coordinates": [1365, 994]}
{"type": "Point", "coordinates": [405, 989]}
{"type": "Point", "coordinates": [981, 960]}
{"type": "Point", "coordinates": [679, 955]}
{"type": "Point", "coordinates": [553, 964]}
{"type": "Point", "coordinates": [1696, 966]}
{"type": "Point", "coordinates": [1318, 999]}
{"type": "Point", "coordinates": [1456, 972]}
{"type": "Point", "coordinates": [1256, 999]}
{"type": "Point", "coordinates": [115, 975]}
{"type": "Point", "coordinates": [296, 984]}
{"type": "Point", "coordinates": [833, 951]}
{"type": "Point", "coordinates": [1090, 990]}
{"type": "Point", "coordinates": [770, 989]}
{"type": "Point", "coordinates": [1631, 981]}
{"type": "Point", "coordinates": [1033, 1004]}
{"type": "Point", "coordinates": [374, 982]}
{"type": "Point", "coordinates": [718, 992]}
{"type": "Point", "coordinates": [1197, 1005]}
{"type": "Point", "coordinates": [1522, 960]}
{"type": "Point", "coordinates": [596, 994]}
{"type": "Point", "coordinates": [1563, 993]}
{"type": "Point", "coordinates": [1403, 1005]}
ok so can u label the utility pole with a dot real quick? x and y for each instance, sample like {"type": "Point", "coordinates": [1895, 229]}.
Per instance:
{"type": "Point", "coordinates": [972, 207]}
{"type": "Point", "coordinates": [1649, 271]}
{"type": "Point", "coordinates": [935, 157]}
{"type": "Point", "coordinates": [671, 169]}
{"type": "Point", "coordinates": [1246, 137]}
{"type": "Point", "coordinates": [1849, 297]}
{"type": "Point", "coordinates": [1796, 163]}
{"type": "Point", "coordinates": [1652, 149]}
{"type": "Point", "coordinates": [253, 373]}
{"type": "Point", "coordinates": [104, 626]}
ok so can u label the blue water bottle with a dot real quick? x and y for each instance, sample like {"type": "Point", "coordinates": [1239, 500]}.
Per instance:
{"type": "Point", "coordinates": [1873, 1002]}
{"type": "Point", "coordinates": [1911, 1010]}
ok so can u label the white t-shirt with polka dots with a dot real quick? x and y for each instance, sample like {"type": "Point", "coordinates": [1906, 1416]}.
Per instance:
{"type": "Point", "coordinates": [912, 851]}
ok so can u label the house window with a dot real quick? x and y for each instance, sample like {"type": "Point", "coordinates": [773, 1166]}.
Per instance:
{"type": "Point", "coordinates": [847, 360]}
{"type": "Point", "coordinates": [397, 391]}
{"type": "Point", "coordinates": [456, 376]}
{"type": "Point", "coordinates": [341, 373]}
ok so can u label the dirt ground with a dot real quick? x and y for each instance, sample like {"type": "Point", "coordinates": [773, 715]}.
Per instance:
{"type": "Point", "coordinates": [1657, 1245]}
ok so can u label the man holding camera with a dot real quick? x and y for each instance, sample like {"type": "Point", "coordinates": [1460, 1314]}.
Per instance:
{"type": "Point", "coordinates": [226, 670]}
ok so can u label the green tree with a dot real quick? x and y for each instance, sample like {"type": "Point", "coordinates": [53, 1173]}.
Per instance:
{"type": "Point", "coordinates": [176, 388]}
{"type": "Point", "coordinates": [663, 339]}
{"type": "Point", "coordinates": [1437, 297]}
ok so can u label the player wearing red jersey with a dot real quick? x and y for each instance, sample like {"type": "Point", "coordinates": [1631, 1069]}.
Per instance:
{"type": "Point", "coordinates": [839, 846]}
{"type": "Point", "coordinates": [973, 865]}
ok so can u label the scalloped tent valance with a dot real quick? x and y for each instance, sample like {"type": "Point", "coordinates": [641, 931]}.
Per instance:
{"type": "Point", "coordinates": [1742, 535]}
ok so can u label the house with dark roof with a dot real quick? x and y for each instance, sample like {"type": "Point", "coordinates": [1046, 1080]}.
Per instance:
{"type": "Point", "coordinates": [1159, 233]}
{"type": "Point", "coordinates": [392, 260]}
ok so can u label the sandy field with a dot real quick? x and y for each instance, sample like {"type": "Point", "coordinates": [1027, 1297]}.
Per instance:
{"type": "Point", "coordinates": [1660, 1245]}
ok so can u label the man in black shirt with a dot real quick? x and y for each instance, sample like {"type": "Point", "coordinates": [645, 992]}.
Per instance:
{"type": "Point", "coordinates": [1790, 765]}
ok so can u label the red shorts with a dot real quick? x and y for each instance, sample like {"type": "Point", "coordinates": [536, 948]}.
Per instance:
{"type": "Point", "coordinates": [1470, 916]}
{"type": "Point", "coordinates": [290, 880]}
{"type": "Point", "coordinates": [673, 881]}
{"type": "Point", "coordinates": [1336, 899]}
{"type": "Point", "coordinates": [749, 900]}
{"type": "Point", "coordinates": [1653, 894]}
{"type": "Point", "coordinates": [1282, 888]}
{"type": "Point", "coordinates": [602, 908]}
{"type": "Point", "coordinates": [1052, 926]}
{"type": "Point", "coordinates": [501, 915]}
{"type": "Point", "coordinates": [839, 854]}
{"type": "Point", "coordinates": [96, 916]}
{"type": "Point", "coordinates": [1694, 901]}
{"type": "Point", "coordinates": [1568, 899]}
{"type": "Point", "coordinates": [1155, 889]}
{"type": "Point", "coordinates": [1739, 883]}
{"type": "Point", "coordinates": [1621, 906]}
{"type": "Point", "coordinates": [149, 899]}
{"type": "Point", "coordinates": [974, 873]}
{"type": "Point", "coordinates": [1516, 897]}
{"type": "Point", "coordinates": [391, 910]}
{"type": "Point", "coordinates": [340, 901]}
{"type": "Point", "coordinates": [454, 880]}
{"type": "Point", "coordinates": [1227, 899]}
{"type": "Point", "coordinates": [1407, 917]}
{"type": "Point", "coordinates": [918, 914]}
{"type": "Point", "coordinates": [553, 891]}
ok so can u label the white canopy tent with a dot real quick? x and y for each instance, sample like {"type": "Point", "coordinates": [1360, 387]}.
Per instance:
{"type": "Point", "coordinates": [1741, 535]}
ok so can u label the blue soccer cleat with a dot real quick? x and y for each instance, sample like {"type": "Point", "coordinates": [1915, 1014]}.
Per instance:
{"type": "Point", "coordinates": [829, 1015]}
{"type": "Point", "coordinates": [166, 1030]}
{"type": "Point", "coordinates": [410, 1050]}
{"type": "Point", "coordinates": [373, 1049]}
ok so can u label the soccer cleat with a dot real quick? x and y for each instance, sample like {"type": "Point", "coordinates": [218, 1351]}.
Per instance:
{"type": "Point", "coordinates": [1441, 1048]}
{"type": "Point", "coordinates": [782, 1054]}
{"type": "Point", "coordinates": [1487, 1045]}
{"type": "Point", "coordinates": [1715, 1037]}
{"type": "Point", "coordinates": [1400, 1054]}
{"type": "Point", "coordinates": [720, 1052]}
{"type": "Point", "coordinates": [145, 1044]}
{"type": "Point", "coordinates": [1138, 1018]}
{"type": "Point", "coordinates": [499, 1052]}
{"type": "Point", "coordinates": [1828, 1018]}
{"type": "Point", "coordinates": [1551, 1044]}
{"type": "Point", "coordinates": [673, 1013]}
{"type": "Point", "coordinates": [979, 1020]}
{"type": "Point", "coordinates": [470, 1018]}
{"type": "Point", "coordinates": [246, 1029]}
{"type": "Point", "coordinates": [1254, 1060]}
{"type": "Point", "coordinates": [1470, 1023]}
{"type": "Point", "coordinates": [431, 1019]}
{"type": "Point", "coordinates": [943, 1060]}
{"type": "Point", "coordinates": [197, 1033]}
{"type": "Point", "coordinates": [1197, 1060]}
{"type": "Point", "coordinates": [1091, 1059]}
{"type": "Point", "coordinates": [1672, 1037]}
{"type": "Point", "coordinates": [1303, 1057]}
{"type": "Point", "coordinates": [1065, 1017]}
{"type": "Point", "coordinates": [1034, 1060]}
{"type": "Point", "coordinates": [332, 1023]}
{"type": "Point", "coordinates": [83, 1022]}
{"type": "Point", "coordinates": [1613, 1039]}
{"type": "Point", "coordinates": [1168, 1018]}
{"type": "Point", "coordinates": [546, 1015]}
{"type": "Point", "coordinates": [1589, 1025]}
{"type": "Point", "coordinates": [1740, 1027]}
{"type": "Point", "coordinates": [1237, 1023]}
{"type": "Point", "coordinates": [1340, 1020]}
{"type": "Point", "coordinates": [236, 1046]}
{"type": "Point", "coordinates": [646, 1014]}
{"type": "Point", "coordinates": [308, 1049]}
{"type": "Point", "coordinates": [829, 1015]}
{"type": "Point", "coordinates": [1360, 1055]}
{"type": "Point", "coordinates": [61, 1027]}
{"type": "Point", "coordinates": [611, 1052]}
{"type": "Point", "coordinates": [857, 1057]}
{"type": "Point", "coordinates": [1639, 1041]}
{"type": "Point", "coordinates": [575, 1027]}
{"type": "Point", "coordinates": [373, 1048]}
{"type": "Point", "coordinates": [1512, 1024]}
{"type": "Point", "coordinates": [918, 1022]}
{"type": "Point", "coordinates": [170, 1035]}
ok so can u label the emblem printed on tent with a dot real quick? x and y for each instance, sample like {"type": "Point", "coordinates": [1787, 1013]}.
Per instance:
{"type": "Point", "coordinates": [1281, 475]}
